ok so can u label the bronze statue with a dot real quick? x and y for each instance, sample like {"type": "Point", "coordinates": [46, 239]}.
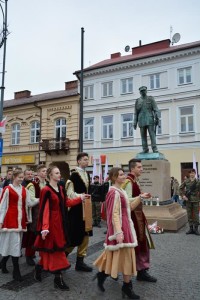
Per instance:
{"type": "Point", "coordinates": [146, 116]}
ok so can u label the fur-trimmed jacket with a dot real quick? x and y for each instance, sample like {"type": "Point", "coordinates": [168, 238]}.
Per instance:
{"type": "Point", "coordinates": [14, 209]}
{"type": "Point", "coordinates": [119, 220]}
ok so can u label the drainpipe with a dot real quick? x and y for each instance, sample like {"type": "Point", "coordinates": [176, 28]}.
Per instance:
{"type": "Point", "coordinates": [40, 108]}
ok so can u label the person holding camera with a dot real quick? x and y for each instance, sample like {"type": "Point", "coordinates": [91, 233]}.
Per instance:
{"type": "Point", "coordinates": [190, 192]}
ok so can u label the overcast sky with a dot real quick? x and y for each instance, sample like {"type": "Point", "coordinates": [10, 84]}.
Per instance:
{"type": "Point", "coordinates": [43, 47]}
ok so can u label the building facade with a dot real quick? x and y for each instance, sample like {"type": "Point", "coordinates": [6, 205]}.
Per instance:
{"type": "Point", "coordinates": [172, 76]}
{"type": "Point", "coordinates": [42, 129]}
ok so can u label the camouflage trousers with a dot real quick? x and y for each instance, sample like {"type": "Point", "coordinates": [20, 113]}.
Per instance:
{"type": "Point", "coordinates": [96, 212]}
{"type": "Point", "coordinates": [192, 212]}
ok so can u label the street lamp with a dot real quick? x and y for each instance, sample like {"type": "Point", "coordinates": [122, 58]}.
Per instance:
{"type": "Point", "coordinates": [3, 38]}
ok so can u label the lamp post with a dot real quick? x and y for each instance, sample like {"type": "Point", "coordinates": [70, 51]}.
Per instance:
{"type": "Point", "coordinates": [4, 34]}
{"type": "Point", "coordinates": [3, 38]}
{"type": "Point", "coordinates": [81, 93]}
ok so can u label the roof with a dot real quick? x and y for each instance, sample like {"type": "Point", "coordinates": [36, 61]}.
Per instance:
{"type": "Point", "coordinates": [41, 97]}
{"type": "Point", "coordinates": [143, 54]}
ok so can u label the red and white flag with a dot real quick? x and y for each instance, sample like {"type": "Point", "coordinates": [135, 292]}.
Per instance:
{"type": "Point", "coordinates": [94, 169]}
{"type": "Point", "coordinates": [3, 125]}
{"type": "Point", "coordinates": [194, 164]}
{"type": "Point", "coordinates": [106, 169]}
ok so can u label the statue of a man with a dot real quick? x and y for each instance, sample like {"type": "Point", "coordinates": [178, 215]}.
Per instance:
{"type": "Point", "coordinates": [146, 116]}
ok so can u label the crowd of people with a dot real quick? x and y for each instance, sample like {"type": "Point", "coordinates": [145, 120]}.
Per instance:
{"type": "Point", "coordinates": [42, 215]}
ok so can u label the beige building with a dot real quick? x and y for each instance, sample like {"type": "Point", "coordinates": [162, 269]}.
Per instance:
{"type": "Point", "coordinates": [42, 129]}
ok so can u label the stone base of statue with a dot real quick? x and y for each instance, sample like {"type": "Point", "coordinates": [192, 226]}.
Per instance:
{"type": "Point", "coordinates": [170, 217]}
{"type": "Point", "coordinates": [155, 179]}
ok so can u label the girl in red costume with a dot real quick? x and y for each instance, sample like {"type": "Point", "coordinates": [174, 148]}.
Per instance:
{"type": "Point", "coordinates": [13, 220]}
{"type": "Point", "coordinates": [119, 253]}
{"type": "Point", "coordinates": [51, 241]}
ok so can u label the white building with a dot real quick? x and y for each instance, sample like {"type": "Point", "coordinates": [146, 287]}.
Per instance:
{"type": "Point", "coordinates": [172, 76]}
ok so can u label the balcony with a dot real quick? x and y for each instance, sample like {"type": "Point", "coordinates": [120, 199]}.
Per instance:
{"type": "Point", "coordinates": [55, 145]}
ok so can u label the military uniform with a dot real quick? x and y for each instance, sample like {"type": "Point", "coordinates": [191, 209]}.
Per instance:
{"type": "Point", "coordinates": [145, 111]}
{"type": "Point", "coordinates": [191, 189]}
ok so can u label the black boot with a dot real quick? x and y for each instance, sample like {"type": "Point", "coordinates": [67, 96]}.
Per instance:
{"type": "Point", "coordinates": [99, 224]}
{"type": "Point", "coordinates": [38, 273]}
{"type": "Point", "coordinates": [81, 266]}
{"type": "Point", "coordinates": [3, 264]}
{"type": "Point", "coordinates": [16, 272]}
{"type": "Point", "coordinates": [196, 230]}
{"type": "Point", "coordinates": [59, 282]}
{"type": "Point", "coordinates": [30, 261]}
{"type": "Point", "coordinates": [143, 275]}
{"type": "Point", "coordinates": [190, 231]}
{"type": "Point", "coordinates": [94, 224]}
{"type": "Point", "coordinates": [101, 277]}
{"type": "Point", "coordinates": [128, 291]}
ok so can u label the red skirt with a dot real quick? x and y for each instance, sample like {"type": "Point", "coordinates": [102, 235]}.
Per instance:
{"type": "Point", "coordinates": [53, 262]}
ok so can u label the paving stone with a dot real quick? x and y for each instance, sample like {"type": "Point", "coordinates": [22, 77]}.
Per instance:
{"type": "Point", "coordinates": [175, 262]}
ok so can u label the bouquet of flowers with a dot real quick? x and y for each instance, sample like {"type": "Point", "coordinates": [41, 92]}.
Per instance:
{"type": "Point", "coordinates": [155, 228]}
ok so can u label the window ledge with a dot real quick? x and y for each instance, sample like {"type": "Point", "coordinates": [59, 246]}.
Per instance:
{"type": "Point", "coordinates": [127, 138]}
{"type": "Point", "coordinates": [183, 84]}
{"type": "Point", "coordinates": [162, 136]}
{"type": "Point", "coordinates": [106, 140]}
{"type": "Point", "coordinates": [103, 97]}
{"type": "Point", "coordinates": [88, 141]}
{"type": "Point", "coordinates": [187, 133]}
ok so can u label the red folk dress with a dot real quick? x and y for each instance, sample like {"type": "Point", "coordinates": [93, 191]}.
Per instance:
{"type": "Point", "coordinates": [52, 220]}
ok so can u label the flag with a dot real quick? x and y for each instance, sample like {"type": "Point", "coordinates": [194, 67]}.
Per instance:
{"type": "Point", "coordinates": [3, 125]}
{"type": "Point", "coordinates": [100, 170]}
{"type": "Point", "coordinates": [195, 164]}
{"type": "Point", "coordinates": [106, 169]}
{"type": "Point", "coordinates": [94, 170]}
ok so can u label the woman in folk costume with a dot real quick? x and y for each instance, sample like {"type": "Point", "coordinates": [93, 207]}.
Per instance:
{"type": "Point", "coordinates": [52, 237]}
{"type": "Point", "coordinates": [119, 253]}
{"type": "Point", "coordinates": [13, 222]}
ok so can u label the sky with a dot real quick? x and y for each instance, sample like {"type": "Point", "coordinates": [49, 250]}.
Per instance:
{"type": "Point", "coordinates": [44, 44]}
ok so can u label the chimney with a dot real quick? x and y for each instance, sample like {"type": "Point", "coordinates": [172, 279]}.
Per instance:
{"type": "Point", "coordinates": [161, 45]}
{"type": "Point", "coordinates": [115, 55]}
{"type": "Point", "coordinates": [71, 85]}
{"type": "Point", "coordinates": [22, 94]}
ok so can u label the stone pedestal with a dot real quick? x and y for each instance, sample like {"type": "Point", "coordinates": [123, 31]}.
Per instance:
{"type": "Point", "coordinates": [156, 180]}
{"type": "Point", "coordinates": [170, 217]}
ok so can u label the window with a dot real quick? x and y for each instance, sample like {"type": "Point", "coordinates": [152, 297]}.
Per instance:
{"type": "Point", "coordinates": [154, 81]}
{"type": "Point", "coordinates": [89, 129]}
{"type": "Point", "coordinates": [187, 119]}
{"type": "Point", "coordinates": [107, 127]}
{"type": "Point", "coordinates": [89, 92]}
{"type": "Point", "coordinates": [35, 132]}
{"type": "Point", "coordinates": [184, 75]}
{"type": "Point", "coordinates": [126, 85]}
{"type": "Point", "coordinates": [107, 89]}
{"type": "Point", "coordinates": [127, 125]}
{"type": "Point", "coordinates": [159, 127]}
{"type": "Point", "coordinates": [15, 134]}
{"type": "Point", "coordinates": [60, 128]}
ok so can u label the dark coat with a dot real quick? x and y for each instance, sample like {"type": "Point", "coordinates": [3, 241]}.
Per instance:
{"type": "Point", "coordinates": [76, 224]}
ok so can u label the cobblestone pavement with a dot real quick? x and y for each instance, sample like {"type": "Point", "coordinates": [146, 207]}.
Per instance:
{"type": "Point", "coordinates": [175, 262]}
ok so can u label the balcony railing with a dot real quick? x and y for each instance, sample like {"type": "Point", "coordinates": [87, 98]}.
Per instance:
{"type": "Point", "coordinates": [55, 145]}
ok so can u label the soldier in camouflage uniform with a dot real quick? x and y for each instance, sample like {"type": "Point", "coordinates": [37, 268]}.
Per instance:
{"type": "Point", "coordinates": [190, 191]}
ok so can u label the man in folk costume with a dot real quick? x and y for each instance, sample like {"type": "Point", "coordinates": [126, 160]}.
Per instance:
{"type": "Point", "coordinates": [34, 188]}
{"type": "Point", "coordinates": [145, 242]}
{"type": "Point", "coordinates": [80, 217]}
